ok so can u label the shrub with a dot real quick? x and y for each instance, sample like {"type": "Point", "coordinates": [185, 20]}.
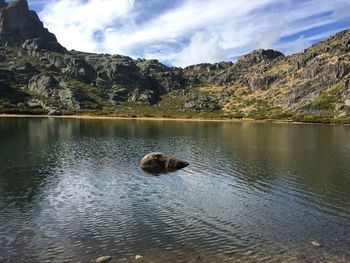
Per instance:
{"type": "Point", "coordinates": [21, 105]}
{"type": "Point", "coordinates": [7, 105]}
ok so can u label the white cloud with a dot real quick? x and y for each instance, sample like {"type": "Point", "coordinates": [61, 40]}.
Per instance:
{"type": "Point", "coordinates": [202, 45]}
{"type": "Point", "coordinates": [194, 32]}
{"type": "Point", "coordinates": [75, 22]}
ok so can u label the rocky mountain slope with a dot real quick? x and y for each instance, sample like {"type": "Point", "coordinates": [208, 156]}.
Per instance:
{"type": "Point", "coordinates": [39, 76]}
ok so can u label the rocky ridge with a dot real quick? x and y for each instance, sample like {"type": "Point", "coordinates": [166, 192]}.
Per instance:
{"type": "Point", "coordinates": [39, 76]}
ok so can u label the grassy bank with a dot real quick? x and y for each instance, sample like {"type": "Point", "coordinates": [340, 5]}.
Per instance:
{"type": "Point", "coordinates": [171, 107]}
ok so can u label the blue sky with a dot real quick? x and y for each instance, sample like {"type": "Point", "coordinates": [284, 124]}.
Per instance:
{"type": "Point", "coordinates": [185, 32]}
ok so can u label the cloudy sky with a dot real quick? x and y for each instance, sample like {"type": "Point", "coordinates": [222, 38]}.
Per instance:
{"type": "Point", "coordinates": [184, 32]}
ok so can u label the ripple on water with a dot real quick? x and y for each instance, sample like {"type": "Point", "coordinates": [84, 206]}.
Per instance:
{"type": "Point", "coordinates": [85, 196]}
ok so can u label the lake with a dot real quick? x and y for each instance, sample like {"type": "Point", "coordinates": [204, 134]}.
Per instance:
{"type": "Point", "coordinates": [71, 190]}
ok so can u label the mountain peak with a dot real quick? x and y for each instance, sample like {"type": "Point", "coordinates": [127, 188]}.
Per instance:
{"type": "Point", "coordinates": [259, 55]}
{"type": "Point", "coordinates": [19, 3]}
{"type": "Point", "coordinates": [19, 24]}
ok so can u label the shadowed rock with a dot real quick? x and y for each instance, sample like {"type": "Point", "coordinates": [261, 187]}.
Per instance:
{"type": "Point", "coordinates": [20, 25]}
{"type": "Point", "coordinates": [157, 162]}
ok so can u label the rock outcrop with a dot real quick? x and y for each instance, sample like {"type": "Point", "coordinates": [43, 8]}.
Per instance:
{"type": "Point", "coordinates": [19, 25]}
{"type": "Point", "coordinates": [261, 84]}
{"type": "Point", "coordinates": [50, 87]}
{"type": "Point", "coordinates": [158, 162]}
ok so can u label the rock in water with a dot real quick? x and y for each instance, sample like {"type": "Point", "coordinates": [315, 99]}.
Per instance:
{"type": "Point", "coordinates": [158, 162]}
{"type": "Point", "coordinates": [138, 257]}
{"type": "Point", "coordinates": [315, 243]}
{"type": "Point", "coordinates": [104, 259]}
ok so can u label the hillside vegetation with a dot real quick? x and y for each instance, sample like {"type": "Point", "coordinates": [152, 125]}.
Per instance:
{"type": "Point", "coordinates": [39, 76]}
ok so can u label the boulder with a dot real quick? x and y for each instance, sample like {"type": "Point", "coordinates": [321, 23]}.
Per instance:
{"type": "Point", "coordinates": [104, 259]}
{"type": "Point", "coordinates": [138, 257]}
{"type": "Point", "coordinates": [157, 162]}
{"type": "Point", "coordinates": [42, 44]}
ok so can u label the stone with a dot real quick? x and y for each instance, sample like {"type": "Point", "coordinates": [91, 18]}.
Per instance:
{"type": "Point", "coordinates": [104, 259]}
{"type": "Point", "coordinates": [71, 96]}
{"type": "Point", "coordinates": [138, 257]}
{"type": "Point", "coordinates": [45, 85]}
{"type": "Point", "coordinates": [315, 243]}
{"type": "Point", "coordinates": [55, 112]}
{"type": "Point", "coordinates": [51, 110]}
{"type": "Point", "coordinates": [145, 96]}
{"type": "Point", "coordinates": [42, 44]}
{"type": "Point", "coordinates": [157, 162]}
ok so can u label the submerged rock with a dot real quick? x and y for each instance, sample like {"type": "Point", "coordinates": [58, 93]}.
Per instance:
{"type": "Point", "coordinates": [158, 162]}
{"type": "Point", "coordinates": [315, 243]}
{"type": "Point", "coordinates": [104, 259]}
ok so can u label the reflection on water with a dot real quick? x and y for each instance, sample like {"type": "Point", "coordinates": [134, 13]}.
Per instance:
{"type": "Point", "coordinates": [71, 190]}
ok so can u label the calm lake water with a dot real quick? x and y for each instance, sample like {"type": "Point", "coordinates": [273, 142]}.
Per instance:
{"type": "Point", "coordinates": [72, 190]}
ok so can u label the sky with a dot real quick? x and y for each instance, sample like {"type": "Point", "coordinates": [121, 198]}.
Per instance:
{"type": "Point", "coordinates": [187, 32]}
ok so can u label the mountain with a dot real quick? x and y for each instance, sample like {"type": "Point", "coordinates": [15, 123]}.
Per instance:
{"type": "Point", "coordinates": [39, 76]}
{"type": "Point", "coordinates": [18, 24]}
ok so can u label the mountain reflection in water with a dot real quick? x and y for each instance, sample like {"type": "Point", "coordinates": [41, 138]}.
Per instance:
{"type": "Point", "coordinates": [72, 190]}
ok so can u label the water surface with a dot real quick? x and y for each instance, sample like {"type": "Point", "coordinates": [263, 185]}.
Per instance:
{"type": "Point", "coordinates": [71, 191]}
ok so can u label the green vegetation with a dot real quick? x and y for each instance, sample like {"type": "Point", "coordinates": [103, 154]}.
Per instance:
{"type": "Point", "coordinates": [327, 100]}
{"type": "Point", "coordinates": [171, 106]}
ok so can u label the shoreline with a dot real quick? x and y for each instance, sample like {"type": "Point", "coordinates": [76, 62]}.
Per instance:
{"type": "Point", "coordinates": [141, 118]}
